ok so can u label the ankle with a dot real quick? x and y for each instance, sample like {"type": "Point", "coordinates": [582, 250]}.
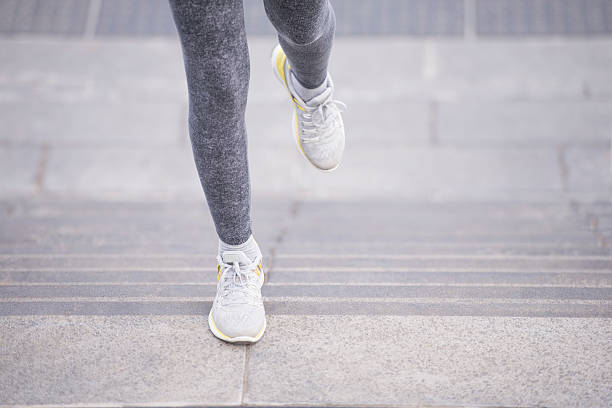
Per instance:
{"type": "Point", "coordinates": [307, 93]}
{"type": "Point", "coordinates": [249, 248]}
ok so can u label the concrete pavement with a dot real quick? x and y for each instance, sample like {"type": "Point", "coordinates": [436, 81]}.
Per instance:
{"type": "Point", "coordinates": [460, 255]}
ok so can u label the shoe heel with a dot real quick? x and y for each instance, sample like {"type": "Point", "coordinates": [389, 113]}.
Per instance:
{"type": "Point", "coordinates": [273, 57]}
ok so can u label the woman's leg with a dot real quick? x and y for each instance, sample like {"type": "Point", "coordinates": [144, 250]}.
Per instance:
{"type": "Point", "coordinates": [217, 66]}
{"type": "Point", "coordinates": [305, 32]}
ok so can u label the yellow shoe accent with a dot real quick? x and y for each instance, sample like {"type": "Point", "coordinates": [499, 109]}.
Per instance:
{"type": "Point", "coordinates": [225, 336]}
{"type": "Point", "coordinates": [241, 339]}
{"type": "Point", "coordinates": [279, 64]}
{"type": "Point", "coordinates": [297, 104]}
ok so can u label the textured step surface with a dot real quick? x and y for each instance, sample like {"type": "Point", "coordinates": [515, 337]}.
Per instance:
{"type": "Point", "coordinates": [460, 256]}
{"type": "Point", "coordinates": [404, 325]}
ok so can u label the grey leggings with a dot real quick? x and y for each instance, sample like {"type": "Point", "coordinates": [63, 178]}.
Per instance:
{"type": "Point", "coordinates": [216, 60]}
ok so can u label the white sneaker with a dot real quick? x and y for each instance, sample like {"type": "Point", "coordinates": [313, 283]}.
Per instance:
{"type": "Point", "coordinates": [237, 314]}
{"type": "Point", "coordinates": [317, 123]}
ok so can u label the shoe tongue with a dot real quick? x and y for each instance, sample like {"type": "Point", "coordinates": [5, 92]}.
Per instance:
{"type": "Point", "coordinates": [230, 257]}
{"type": "Point", "coordinates": [319, 99]}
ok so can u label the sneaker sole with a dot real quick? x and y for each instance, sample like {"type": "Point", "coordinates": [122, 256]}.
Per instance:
{"type": "Point", "coordinates": [294, 126]}
{"type": "Point", "coordinates": [235, 340]}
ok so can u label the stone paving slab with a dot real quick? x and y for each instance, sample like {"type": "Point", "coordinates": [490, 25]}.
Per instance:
{"type": "Point", "coordinates": [124, 228]}
{"type": "Point", "coordinates": [330, 262]}
{"type": "Point", "coordinates": [20, 170]}
{"type": "Point", "coordinates": [600, 218]}
{"type": "Point", "coordinates": [465, 216]}
{"type": "Point", "coordinates": [314, 306]}
{"type": "Point", "coordinates": [590, 170]}
{"type": "Point", "coordinates": [589, 278]}
{"type": "Point", "coordinates": [66, 226]}
{"type": "Point", "coordinates": [402, 123]}
{"type": "Point", "coordinates": [95, 123]}
{"type": "Point", "coordinates": [439, 70]}
{"type": "Point", "coordinates": [114, 72]}
{"type": "Point", "coordinates": [548, 70]}
{"type": "Point", "coordinates": [313, 275]}
{"type": "Point", "coordinates": [449, 330]}
{"type": "Point", "coordinates": [166, 242]}
{"type": "Point", "coordinates": [354, 17]}
{"type": "Point", "coordinates": [366, 261]}
{"type": "Point", "coordinates": [122, 172]}
{"type": "Point", "coordinates": [422, 241]}
{"type": "Point", "coordinates": [95, 361]}
{"type": "Point", "coordinates": [542, 17]}
{"type": "Point", "coordinates": [441, 245]}
{"type": "Point", "coordinates": [441, 168]}
{"type": "Point", "coordinates": [436, 361]}
{"type": "Point", "coordinates": [526, 123]}
{"type": "Point", "coordinates": [418, 243]}
{"type": "Point", "coordinates": [442, 174]}
{"type": "Point", "coordinates": [134, 17]}
{"type": "Point", "coordinates": [310, 289]}
{"type": "Point", "coordinates": [63, 17]}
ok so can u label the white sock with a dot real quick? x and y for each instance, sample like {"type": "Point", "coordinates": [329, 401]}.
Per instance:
{"type": "Point", "coordinates": [250, 248]}
{"type": "Point", "coordinates": [307, 93]}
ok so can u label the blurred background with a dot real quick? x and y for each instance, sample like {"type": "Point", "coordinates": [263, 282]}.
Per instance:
{"type": "Point", "coordinates": [448, 99]}
{"type": "Point", "coordinates": [460, 255]}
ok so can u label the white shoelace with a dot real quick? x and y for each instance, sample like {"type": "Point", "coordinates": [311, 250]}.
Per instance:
{"type": "Point", "coordinates": [238, 284]}
{"type": "Point", "coordinates": [322, 120]}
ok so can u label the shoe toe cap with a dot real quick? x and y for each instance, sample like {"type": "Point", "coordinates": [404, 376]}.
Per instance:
{"type": "Point", "coordinates": [239, 321]}
{"type": "Point", "coordinates": [325, 155]}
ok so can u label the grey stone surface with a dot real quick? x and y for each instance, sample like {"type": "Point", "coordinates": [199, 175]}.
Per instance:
{"type": "Point", "coordinates": [205, 244]}
{"type": "Point", "coordinates": [137, 72]}
{"type": "Point", "coordinates": [542, 17]}
{"type": "Point", "coordinates": [432, 361]}
{"type": "Point", "coordinates": [128, 228]}
{"type": "Point", "coordinates": [466, 218]}
{"type": "Point", "coordinates": [108, 262]}
{"type": "Point", "coordinates": [116, 360]}
{"type": "Point", "coordinates": [404, 69]}
{"type": "Point", "coordinates": [135, 17]}
{"type": "Point", "coordinates": [125, 228]}
{"type": "Point", "coordinates": [407, 291]}
{"type": "Point", "coordinates": [152, 17]}
{"type": "Point", "coordinates": [441, 174]}
{"type": "Point", "coordinates": [365, 261]}
{"type": "Point", "coordinates": [114, 72]}
{"type": "Point", "coordinates": [283, 276]}
{"type": "Point", "coordinates": [109, 290]}
{"type": "Point", "coordinates": [19, 168]}
{"type": "Point", "coordinates": [439, 265]}
{"type": "Point", "coordinates": [64, 17]}
{"type": "Point", "coordinates": [443, 70]}
{"type": "Point", "coordinates": [526, 123]}
{"type": "Point", "coordinates": [355, 17]}
{"type": "Point", "coordinates": [547, 69]}
{"type": "Point", "coordinates": [96, 123]}
{"type": "Point", "coordinates": [122, 173]}
{"type": "Point", "coordinates": [551, 308]}
{"type": "Point", "coordinates": [590, 170]}
{"type": "Point", "coordinates": [401, 123]}
{"type": "Point", "coordinates": [411, 17]}
{"type": "Point", "coordinates": [441, 245]}
{"type": "Point", "coordinates": [443, 277]}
